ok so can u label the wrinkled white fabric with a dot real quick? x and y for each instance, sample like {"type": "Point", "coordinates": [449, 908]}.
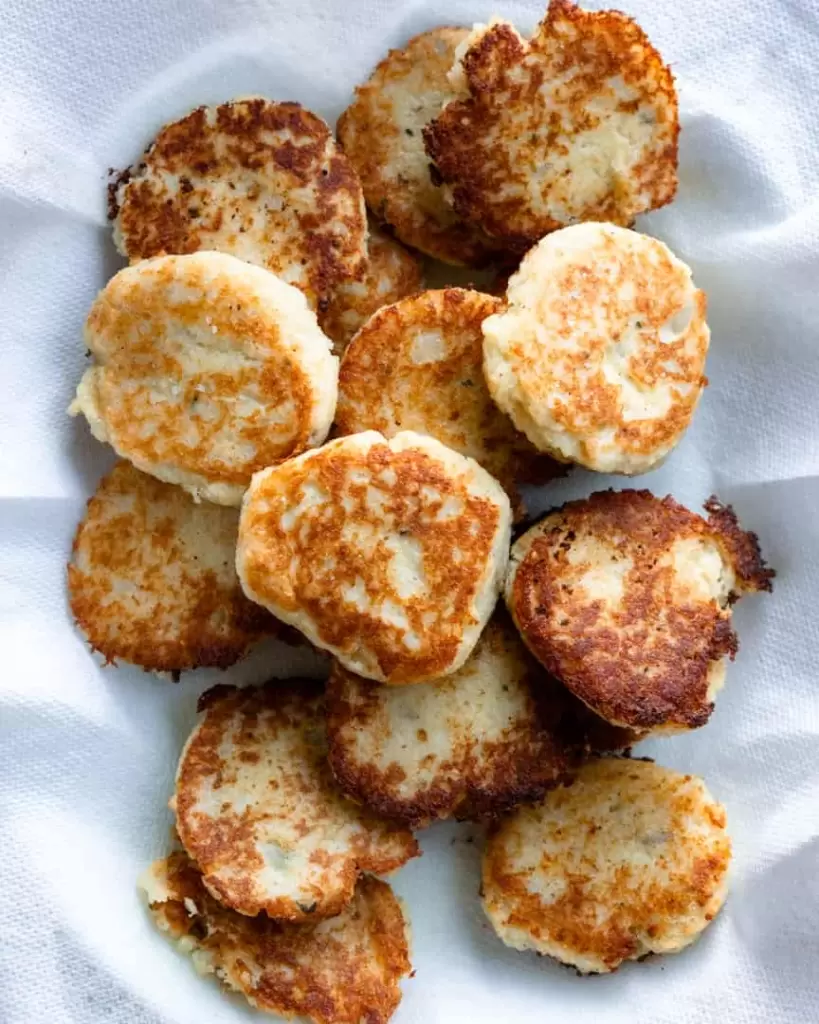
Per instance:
{"type": "Point", "coordinates": [87, 755]}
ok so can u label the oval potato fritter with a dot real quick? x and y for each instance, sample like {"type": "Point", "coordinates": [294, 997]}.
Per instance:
{"type": "Point", "coordinates": [258, 810]}
{"type": "Point", "coordinates": [392, 272]}
{"type": "Point", "coordinates": [387, 553]}
{"type": "Point", "coordinates": [473, 743]}
{"type": "Point", "coordinates": [630, 859]}
{"type": "Point", "coordinates": [339, 971]}
{"type": "Point", "coordinates": [627, 599]}
{"type": "Point", "coordinates": [152, 578]}
{"type": "Point", "coordinates": [206, 369]}
{"type": "Point", "coordinates": [417, 365]}
{"type": "Point", "coordinates": [260, 180]}
{"type": "Point", "coordinates": [579, 123]}
{"type": "Point", "coordinates": [599, 355]}
{"type": "Point", "coordinates": [381, 134]}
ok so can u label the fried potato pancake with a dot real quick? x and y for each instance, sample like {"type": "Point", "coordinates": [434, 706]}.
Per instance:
{"type": "Point", "coordinates": [344, 970]}
{"type": "Point", "coordinates": [473, 743]}
{"type": "Point", "coordinates": [627, 599]}
{"type": "Point", "coordinates": [579, 123]}
{"type": "Point", "coordinates": [205, 370]}
{"type": "Point", "coordinates": [599, 355]}
{"type": "Point", "coordinates": [152, 578]}
{"type": "Point", "coordinates": [387, 553]}
{"type": "Point", "coordinates": [260, 180]}
{"type": "Point", "coordinates": [628, 860]}
{"type": "Point", "coordinates": [257, 808]}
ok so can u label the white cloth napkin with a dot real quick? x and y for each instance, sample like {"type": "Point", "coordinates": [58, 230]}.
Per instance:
{"type": "Point", "coordinates": [87, 755]}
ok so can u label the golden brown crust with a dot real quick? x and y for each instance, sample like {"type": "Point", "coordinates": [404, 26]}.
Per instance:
{"type": "Point", "coordinates": [417, 365]}
{"type": "Point", "coordinates": [242, 168]}
{"type": "Point", "coordinates": [322, 540]}
{"type": "Point", "coordinates": [392, 273]}
{"type": "Point", "coordinates": [752, 573]}
{"type": "Point", "coordinates": [263, 750]}
{"type": "Point", "coordinates": [346, 974]}
{"type": "Point", "coordinates": [381, 134]}
{"type": "Point", "coordinates": [630, 859]}
{"type": "Point", "coordinates": [641, 654]}
{"type": "Point", "coordinates": [152, 581]}
{"type": "Point", "coordinates": [505, 147]}
{"type": "Point", "coordinates": [468, 745]}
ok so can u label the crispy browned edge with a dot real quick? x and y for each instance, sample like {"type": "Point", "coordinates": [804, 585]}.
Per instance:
{"type": "Point", "coordinates": [645, 713]}
{"type": "Point", "coordinates": [742, 546]}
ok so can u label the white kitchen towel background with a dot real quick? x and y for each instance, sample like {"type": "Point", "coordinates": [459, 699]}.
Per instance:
{"type": "Point", "coordinates": [87, 755]}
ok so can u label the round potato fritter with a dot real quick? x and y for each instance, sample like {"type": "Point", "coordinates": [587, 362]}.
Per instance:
{"type": "Point", "coordinates": [627, 599]}
{"type": "Point", "coordinates": [152, 578]}
{"type": "Point", "coordinates": [381, 132]}
{"type": "Point", "coordinates": [392, 272]}
{"type": "Point", "coordinates": [599, 356]}
{"type": "Point", "coordinates": [388, 554]}
{"type": "Point", "coordinates": [342, 971]}
{"type": "Point", "coordinates": [579, 123]}
{"type": "Point", "coordinates": [417, 365]}
{"type": "Point", "coordinates": [472, 743]}
{"type": "Point", "coordinates": [258, 810]}
{"type": "Point", "coordinates": [631, 859]}
{"type": "Point", "coordinates": [206, 369]}
{"type": "Point", "coordinates": [260, 180]}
